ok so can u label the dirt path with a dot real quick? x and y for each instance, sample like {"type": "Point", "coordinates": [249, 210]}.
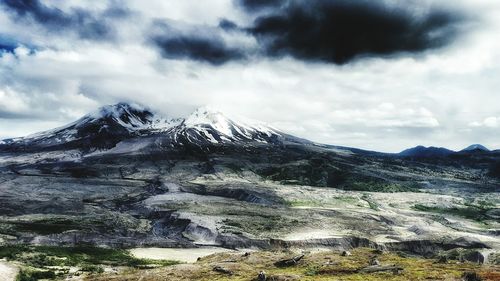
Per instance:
{"type": "Point", "coordinates": [8, 272]}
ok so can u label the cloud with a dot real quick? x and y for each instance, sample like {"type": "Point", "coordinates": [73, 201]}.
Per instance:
{"type": "Point", "coordinates": [490, 122]}
{"type": "Point", "coordinates": [202, 44]}
{"type": "Point", "coordinates": [227, 25]}
{"type": "Point", "coordinates": [373, 103]}
{"type": "Point", "coordinates": [86, 24]}
{"type": "Point", "coordinates": [6, 47]}
{"type": "Point", "coordinates": [342, 30]}
{"type": "Point", "coordinates": [13, 47]}
{"type": "Point", "coordinates": [203, 49]}
{"type": "Point", "coordinates": [257, 5]}
{"type": "Point", "coordinates": [387, 115]}
{"type": "Point", "coordinates": [330, 31]}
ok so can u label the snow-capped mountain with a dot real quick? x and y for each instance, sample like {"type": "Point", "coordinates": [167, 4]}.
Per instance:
{"type": "Point", "coordinates": [112, 124]}
{"type": "Point", "coordinates": [98, 130]}
{"type": "Point", "coordinates": [209, 125]}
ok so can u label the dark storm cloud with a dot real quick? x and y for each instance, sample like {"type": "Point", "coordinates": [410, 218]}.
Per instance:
{"type": "Point", "coordinates": [227, 25]}
{"type": "Point", "coordinates": [83, 22]}
{"type": "Point", "coordinates": [201, 44]}
{"type": "Point", "coordinates": [257, 5]}
{"type": "Point", "coordinates": [6, 47]}
{"type": "Point", "coordinates": [338, 31]}
{"type": "Point", "coordinates": [210, 50]}
{"type": "Point", "coordinates": [332, 31]}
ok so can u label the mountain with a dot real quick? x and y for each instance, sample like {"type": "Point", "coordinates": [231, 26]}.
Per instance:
{"type": "Point", "coordinates": [101, 129]}
{"type": "Point", "coordinates": [422, 151]}
{"type": "Point", "coordinates": [112, 124]}
{"type": "Point", "coordinates": [125, 176]}
{"type": "Point", "coordinates": [206, 125]}
{"type": "Point", "coordinates": [127, 128]}
{"type": "Point", "coordinates": [475, 148]}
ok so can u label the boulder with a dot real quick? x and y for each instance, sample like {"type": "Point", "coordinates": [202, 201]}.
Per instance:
{"type": "Point", "coordinates": [378, 268]}
{"type": "Point", "coordinates": [442, 259]}
{"type": "Point", "coordinates": [262, 276]}
{"type": "Point", "coordinates": [288, 262]}
{"type": "Point", "coordinates": [346, 253]}
{"type": "Point", "coordinates": [471, 276]}
{"type": "Point", "coordinates": [221, 269]}
{"type": "Point", "coordinates": [473, 256]}
{"type": "Point", "coordinates": [283, 278]}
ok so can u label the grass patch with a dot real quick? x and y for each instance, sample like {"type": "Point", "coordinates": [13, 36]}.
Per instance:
{"type": "Point", "coordinates": [44, 227]}
{"type": "Point", "coordinates": [375, 186]}
{"type": "Point", "coordinates": [373, 205]}
{"type": "Point", "coordinates": [43, 256]}
{"type": "Point", "coordinates": [320, 266]}
{"type": "Point", "coordinates": [304, 203]}
{"type": "Point", "coordinates": [259, 225]}
{"type": "Point", "coordinates": [342, 200]}
{"type": "Point", "coordinates": [34, 275]}
{"type": "Point", "coordinates": [471, 212]}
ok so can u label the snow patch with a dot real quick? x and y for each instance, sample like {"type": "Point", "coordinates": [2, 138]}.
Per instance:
{"type": "Point", "coordinates": [206, 119]}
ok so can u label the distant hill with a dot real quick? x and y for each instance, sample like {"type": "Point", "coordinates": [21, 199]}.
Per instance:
{"type": "Point", "coordinates": [422, 151]}
{"type": "Point", "coordinates": [475, 147]}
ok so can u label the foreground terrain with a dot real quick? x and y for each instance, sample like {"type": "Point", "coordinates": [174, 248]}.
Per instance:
{"type": "Point", "coordinates": [121, 179]}
{"type": "Point", "coordinates": [359, 264]}
{"type": "Point", "coordinates": [324, 265]}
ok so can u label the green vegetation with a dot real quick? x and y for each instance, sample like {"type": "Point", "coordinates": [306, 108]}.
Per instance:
{"type": "Point", "coordinates": [45, 227]}
{"type": "Point", "coordinates": [34, 275]}
{"type": "Point", "coordinates": [313, 172]}
{"type": "Point", "coordinates": [305, 203]}
{"type": "Point", "coordinates": [41, 256]}
{"type": "Point", "coordinates": [334, 202]}
{"type": "Point", "coordinates": [259, 225]}
{"type": "Point", "coordinates": [380, 186]}
{"type": "Point", "coordinates": [312, 270]}
{"type": "Point", "coordinates": [472, 212]}
{"type": "Point", "coordinates": [373, 205]}
{"type": "Point", "coordinates": [39, 260]}
{"type": "Point", "coordinates": [42, 227]}
{"type": "Point", "coordinates": [320, 172]}
{"type": "Point", "coordinates": [93, 268]}
{"type": "Point", "coordinates": [316, 266]}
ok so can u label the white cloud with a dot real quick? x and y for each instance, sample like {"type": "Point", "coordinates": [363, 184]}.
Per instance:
{"type": "Point", "coordinates": [387, 115]}
{"type": "Point", "coordinates": [383, 104]}
{"type": "Point", "coordinates": [490, 122]}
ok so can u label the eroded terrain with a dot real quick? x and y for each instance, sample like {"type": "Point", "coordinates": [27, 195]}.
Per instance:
{"type": "Point", "coordinates": [251, 198]}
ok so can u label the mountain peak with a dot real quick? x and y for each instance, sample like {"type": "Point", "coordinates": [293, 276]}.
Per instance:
{"type": "Point", "coordinates": [211, 124]}
{"type": "Point", "coordinates": [129, 116]}
{"type": "Point", "coordinates": [112, 124]}
{"type": "Point", "coordinates": [476, 147]}
{"type": "Point", "coordinates": [209, 116]}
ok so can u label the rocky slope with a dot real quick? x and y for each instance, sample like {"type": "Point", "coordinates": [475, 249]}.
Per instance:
{"type": "Point", "coordinates": [125, 177]}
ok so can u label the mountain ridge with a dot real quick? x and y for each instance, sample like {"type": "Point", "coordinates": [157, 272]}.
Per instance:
{"type": "Point", "coordinates": [112, 124]}
{"type": "Point", "coordinates": [422, 151]}
{"type": "Point", "coordinates": [109, 125]}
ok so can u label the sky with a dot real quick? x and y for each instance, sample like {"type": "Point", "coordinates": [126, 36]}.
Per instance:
{"type": "Point", "coordinates": [382, 75]}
